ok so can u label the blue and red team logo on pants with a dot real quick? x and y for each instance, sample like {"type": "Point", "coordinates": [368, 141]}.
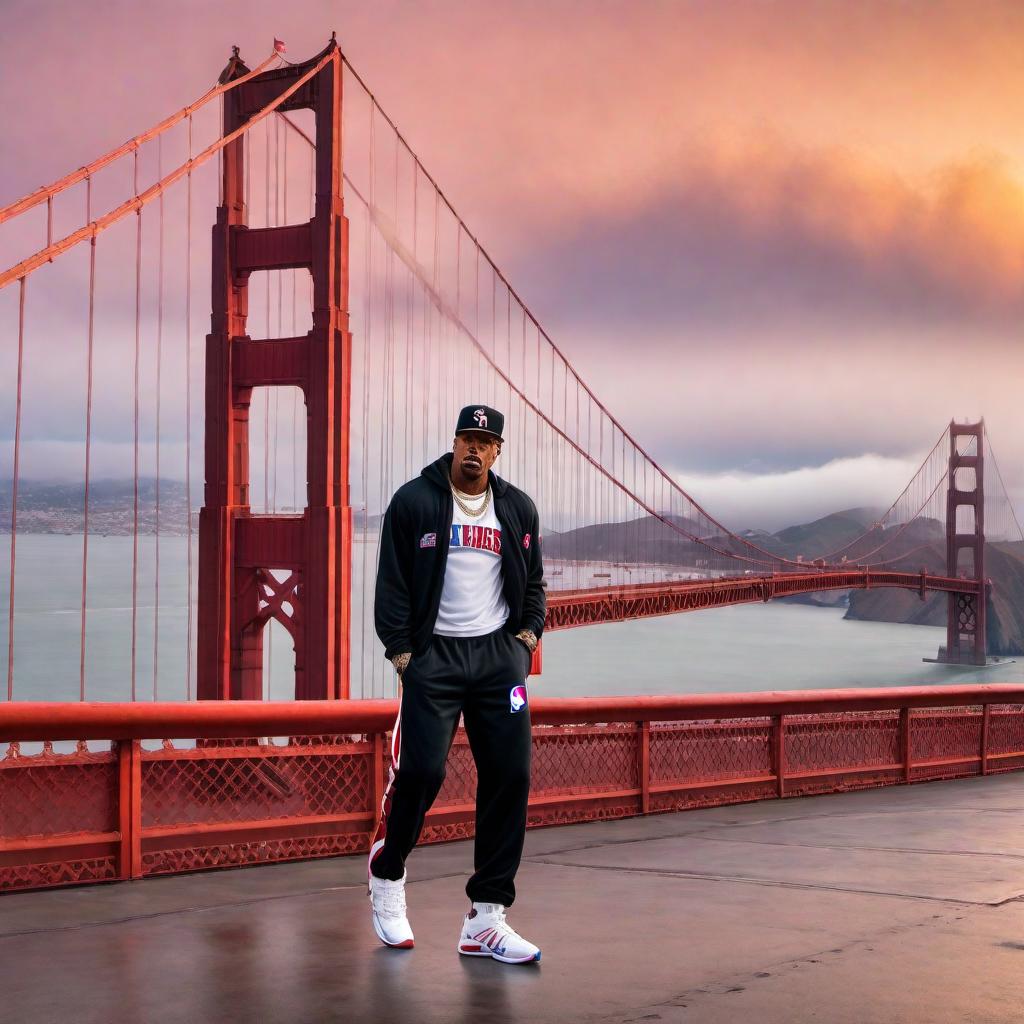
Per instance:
{"type": "Point", "coordinates": [517, 697]}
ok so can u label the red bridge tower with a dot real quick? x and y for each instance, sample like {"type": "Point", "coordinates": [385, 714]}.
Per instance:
{"type": "Point", "coordinates": [965, 535]}
{"type": "Point", "coordinates": [238, 595]}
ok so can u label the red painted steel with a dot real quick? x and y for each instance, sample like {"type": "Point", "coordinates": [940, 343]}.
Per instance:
{"type": "Point", "coordinates": [125, 812]}
{"type": "Point", "coordinates": [239, 552]}
{"type": "Point", "coordinates": [568, 608]}
{"type": "Point", "coordinates": [47, 192]}
{"type": "Point", "coordinates": [142, 199]}
{"type": "Point", "coordinates": [282, 248]}
{"type": "Point", "coordinates": [965, 622]}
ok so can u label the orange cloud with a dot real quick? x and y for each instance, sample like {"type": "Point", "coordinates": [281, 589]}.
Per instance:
{"type": "Point", "coordinates": [745, 228]}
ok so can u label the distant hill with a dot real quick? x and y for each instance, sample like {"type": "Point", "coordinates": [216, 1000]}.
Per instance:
{"type": "Point", "coordinates": [55, 507]}
{"type": "Point", "coordinates": [824, 535]}
{"type": "Point", "coordinates": [642, 540]}
{"type": "Point", "coordinates": [922, 545]}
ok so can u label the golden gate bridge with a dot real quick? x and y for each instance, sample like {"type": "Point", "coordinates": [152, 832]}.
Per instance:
{"type": "Point", "coordinates": [352, 311]}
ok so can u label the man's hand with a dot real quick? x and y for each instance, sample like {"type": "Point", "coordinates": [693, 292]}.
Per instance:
{"type": "Point", "coordinates": [528, 637]}
{"type": "Point", "coordinates": [401, 661]}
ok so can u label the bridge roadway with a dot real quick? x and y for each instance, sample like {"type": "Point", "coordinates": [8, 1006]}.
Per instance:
{"type": "Point", "coordinates": [903, 904]}
{"type": "Point", "coordinates": [584, 607]}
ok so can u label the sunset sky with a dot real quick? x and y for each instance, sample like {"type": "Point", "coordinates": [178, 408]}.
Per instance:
{"type": "Point", "coordinates": [770, 235]}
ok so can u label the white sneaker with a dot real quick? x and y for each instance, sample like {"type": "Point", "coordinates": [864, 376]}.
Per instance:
{"type": "Point", "coordinates": [389, 921]}
{"type": "Point", "coordinates": [485, 932]}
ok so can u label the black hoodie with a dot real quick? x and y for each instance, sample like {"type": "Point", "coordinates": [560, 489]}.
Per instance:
{"type": "Point", "coordinates": [414, 542]}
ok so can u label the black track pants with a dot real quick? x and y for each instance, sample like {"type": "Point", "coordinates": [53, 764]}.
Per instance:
{"type": "Point", "coordinates": [483, 678]}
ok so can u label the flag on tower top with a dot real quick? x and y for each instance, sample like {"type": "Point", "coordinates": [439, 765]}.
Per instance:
{"type": "Point", "coordinates": [279, 46]}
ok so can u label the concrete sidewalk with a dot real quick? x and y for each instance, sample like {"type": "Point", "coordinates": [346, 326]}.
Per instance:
{"type": "Point", "coordinates": [890, 905]}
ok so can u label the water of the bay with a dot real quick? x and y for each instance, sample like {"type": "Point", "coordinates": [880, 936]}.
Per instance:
{"type": "Point", "coordinates": [749, 647]}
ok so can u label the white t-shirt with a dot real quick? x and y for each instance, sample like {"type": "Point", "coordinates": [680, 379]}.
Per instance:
{"type": "Point", "coordinates": [472, 602]}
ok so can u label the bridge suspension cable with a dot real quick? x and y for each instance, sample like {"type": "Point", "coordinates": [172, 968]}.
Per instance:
{"type": "Point", "coordinates": [1001, 520]}
{"type": "Point", "coordinates": [892, 511]}
{"type": "Point", "coordinates": [137, 202]}
{"type": "Point", "coordinates": [753, 553]}
{"type": "Point", "coordinates": [48, 192]}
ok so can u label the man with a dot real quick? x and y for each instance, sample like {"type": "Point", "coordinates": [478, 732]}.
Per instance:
{"type": "Point", "coordinates": [459, 608]}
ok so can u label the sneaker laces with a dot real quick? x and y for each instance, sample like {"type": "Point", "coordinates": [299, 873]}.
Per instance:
{"type": "Point", "coordinates": [389, 898]}
{"type": "Point", "coordinates": [498, 922]}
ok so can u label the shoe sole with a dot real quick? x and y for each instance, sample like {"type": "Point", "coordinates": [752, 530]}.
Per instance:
{"type": "Point", "coordinates": [483, 951]}
{"type": "Point", "coordinates": [406, 944]}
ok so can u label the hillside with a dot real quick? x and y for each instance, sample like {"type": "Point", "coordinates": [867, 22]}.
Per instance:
{"type": "Point", "coordinates": [1004, 565]}
{"type": "Point", "coordinates": [922, 543]}
{"type": "Point", "coordinates": [823, 535]}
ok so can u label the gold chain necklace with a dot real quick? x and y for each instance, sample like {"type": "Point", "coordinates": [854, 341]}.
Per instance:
{"type": "Point", "coordinates": [465, 508]}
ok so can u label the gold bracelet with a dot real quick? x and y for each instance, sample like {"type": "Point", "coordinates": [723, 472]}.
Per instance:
{"type": "Point", "coordinates": [529, 638]}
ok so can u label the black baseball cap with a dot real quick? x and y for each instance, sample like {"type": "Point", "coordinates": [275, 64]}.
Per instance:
{"type": "Point", "coordinates": [481, 418]}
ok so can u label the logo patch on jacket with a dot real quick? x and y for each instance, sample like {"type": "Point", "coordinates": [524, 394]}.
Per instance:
{"type": "Point", "coordinates": [517, 698]}
{"type": "Point", "coordinates": [428, 540]}
{"type": "Point", "coordinates": [526, 540]}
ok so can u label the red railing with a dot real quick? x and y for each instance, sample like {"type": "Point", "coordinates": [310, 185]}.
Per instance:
{"type": "Point", "coordinates": [225, 799]}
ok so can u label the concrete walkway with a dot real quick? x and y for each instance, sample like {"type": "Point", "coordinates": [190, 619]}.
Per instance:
{"type": "Point", "coordinates": [892, 905]}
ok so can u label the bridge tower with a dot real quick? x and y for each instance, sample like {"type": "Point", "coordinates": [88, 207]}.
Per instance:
{"type": "Point", "coordinates": [965, 536]}
{"type": "Point", "coordinates": [239, 551]}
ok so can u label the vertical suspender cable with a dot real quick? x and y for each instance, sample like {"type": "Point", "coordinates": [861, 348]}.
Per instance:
{"type": "Point", "coordinates": [563, 479]}
{"type": "Point", "coordinates": [508, 344]}
{"type": "Point", "coordinates": [159, 360]}
{"type": "Point", "coordinates": [407, 407]}
{"type": "Point", "coordinates": [413, 282]}
{"type": "Point", "coordinates": [424, 362]}
{"type": "Point", "coordinates": [266, 391]}
{"type": "Point", "coordinates": [577, 500]}
{"type": "Point", "coordinates": [135, 396]}
{"type": "Point", "coordinates": [390, 381]}
{"type": "Point", "coordinates": [188, 416]}
{"type": "Point", "coordinates": [220, 157]}
{"type": "Point", "coordinates": [524, 413]}
{"type": "Point", "coordinates": [368, 349]}
{"type": "Point", "coordinates": [543, 490]}
{"type": "Point", "coordinates": [436, 271]}
{"type": "Point", "coordinates": [294, 328]}
{"type": "Point", "coordinates": [457, 362]}
{"type": "Point", "coordinates": [270, 434]}
{"type": "Point", "coordinates": [88, 437]}
{"type": "Point", "coordinates": [494, 335]}
{"type": "Point", "coordinates": [482, 367]}
{"type": "Point", "coordinates": [14, 488]}
{"type": "Point", "coordinates": [280, 182]}
{"type": "Point", "coordinates": [280, 285]}
{"type": "Point", "coordinates": [247, 166]}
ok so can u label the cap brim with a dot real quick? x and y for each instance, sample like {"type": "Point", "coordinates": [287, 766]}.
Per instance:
{"type": "Point", "coordinates": [479, 430]}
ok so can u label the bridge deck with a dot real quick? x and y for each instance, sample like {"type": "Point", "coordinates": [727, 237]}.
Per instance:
{"type": "Point", "coordinates": [567, 608]}
{"type": "Point", "coordinates": [899, 904]}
